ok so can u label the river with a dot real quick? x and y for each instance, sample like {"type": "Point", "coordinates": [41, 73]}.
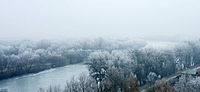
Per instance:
{"type": "Point", "coordinates": [32, 82]}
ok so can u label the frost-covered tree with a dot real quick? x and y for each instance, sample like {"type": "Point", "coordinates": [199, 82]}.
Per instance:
{"type": "Point", "coordinates": [83, 83]}
{"type": "Point", "coordinates": [187, 84]}
{"type": "Point", "coordinates": [115, 80]}
{"type": "Point", "coordinates": [98, 65]}
{"type": "Point", "coordinates": [152, 77]}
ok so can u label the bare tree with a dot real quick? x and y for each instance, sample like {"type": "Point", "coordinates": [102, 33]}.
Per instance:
{"type": "Point", "coordinates": [161, 86]}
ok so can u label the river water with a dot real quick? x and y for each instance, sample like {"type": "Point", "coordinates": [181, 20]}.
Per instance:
{"type": "Point", "coordinates": [32, 82]}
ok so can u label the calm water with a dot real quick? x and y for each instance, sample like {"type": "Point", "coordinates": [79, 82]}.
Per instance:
{"type": "Point", "coordinates": [32, 82]}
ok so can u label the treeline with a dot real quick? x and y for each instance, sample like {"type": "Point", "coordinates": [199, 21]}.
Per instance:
{"type": "Point", "coordinates": [126, 70]}
{"type": "Point", "coordinates": [22, 57]}
{"type": "Point", "coordinates": [147, 64]}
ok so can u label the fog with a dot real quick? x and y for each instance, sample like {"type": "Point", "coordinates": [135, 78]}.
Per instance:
{"type": "Point", "coordinates": [57, 19]}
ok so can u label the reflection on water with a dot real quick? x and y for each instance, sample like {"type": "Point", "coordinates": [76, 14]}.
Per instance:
{"type": "Point", "coordinates": [32, 82]}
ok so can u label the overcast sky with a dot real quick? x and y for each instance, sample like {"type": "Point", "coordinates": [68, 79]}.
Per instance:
{"type": "Point", "coordinates": [89, 18]}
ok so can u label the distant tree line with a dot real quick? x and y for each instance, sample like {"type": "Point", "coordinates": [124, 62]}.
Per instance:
{"type": "Point", "coordinates": [22, 57]}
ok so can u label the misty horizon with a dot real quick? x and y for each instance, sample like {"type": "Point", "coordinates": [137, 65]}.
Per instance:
{"type": "Point", "coordinates": [51, 19]}
{"type": "Point", "coordinates": [99, 46]}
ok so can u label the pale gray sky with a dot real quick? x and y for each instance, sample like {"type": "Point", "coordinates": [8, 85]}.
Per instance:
{"type": "Point", "coordinates": [88, 18]}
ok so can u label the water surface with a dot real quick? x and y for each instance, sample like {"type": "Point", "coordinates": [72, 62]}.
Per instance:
{"type": "Point", "coordinates": [32, 82]}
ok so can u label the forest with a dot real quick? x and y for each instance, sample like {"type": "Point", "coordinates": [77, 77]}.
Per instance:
{"type": "Point", "coordinates": [127, 70]}
{"type": "Point", "coordinates": [114, 65]}
{"type": "Point", "coordinates": [28, 56]}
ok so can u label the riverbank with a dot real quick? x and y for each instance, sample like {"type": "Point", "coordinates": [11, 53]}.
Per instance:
{"type": "Point", "coordinates": [32, 82]}
{"type": "Point", "coordinates": [34, 68]}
